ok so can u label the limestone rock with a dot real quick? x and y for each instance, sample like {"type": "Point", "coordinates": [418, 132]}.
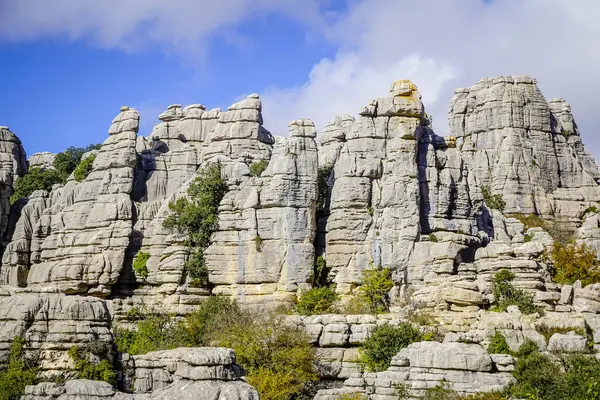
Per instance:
{"type": "Point", "coordinates": [569, 343]}
{"type": "Point", "coordinates": [43, 160]}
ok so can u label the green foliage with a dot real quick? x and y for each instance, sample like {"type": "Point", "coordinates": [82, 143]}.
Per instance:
{"type": "Point", "coordinates": [35, 179]}
{"type": "Point", "coordinates": [323, 175]}
{"type": "Point", "coordinates": [84, 168]}
{"type": "Point", "coordinates": [278, 358]}
{"type": "Point", "coordinates": [493, 201]}
{"type": "Point", "coordinates": [370, 211]}
{"type": "Point", "coordinates": [68, 160]}
{"type": "Point", "coordinates": [211, 317]}
{"type": "Point", "coordinates": [528, 238]}
{"type": "Point", "coordinates": [498, 345]}
{"type": "Point", "coordinates": [572, 262]}
{"type": "Point", "coordinates": [376, 283]}
{"type": "Point", "coordinates": [320, 272]}
{"type": "Point", "coordinates": [258, 241]}
{"type": "Point", "coordinates": [157, 331]}
{"type": "Point", "coordinates": [384, 342]}
{"type": "Point", "coordinates": [258, 167]}
{"type": "Point", "coordinates": [319, 300]}
{"type": "Point", "coordinates": [139, 264]}
{"type": "Point", "coordinates": [444, 392]}
{"type": "Point", "coordinates": [18, 374]}
{"type": "Point", "coordinates": [505, 294]}
{"type": "Point", "coordinates": [529, 220]}
{"type": "Point", "coordinates": [539, 376]}
{"type": "Point", "coordinates": [433, 238]}
{"type": "Point", "coordinates": [198, 216]}
{"type": "Point", "coordinates": [566, 133]}
{"type": "Point", "coordinates": [548, 331]}
{"type": "Point", "coordinates": [86, 369]}
{"type": "Point", "coordinates": [590, 209]}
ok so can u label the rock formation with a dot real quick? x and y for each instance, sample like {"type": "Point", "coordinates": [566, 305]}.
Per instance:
{"type": "Point", "coordinates": [378, 189]}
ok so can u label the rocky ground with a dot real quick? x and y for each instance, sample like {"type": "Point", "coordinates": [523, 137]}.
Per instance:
{"type": "Point", "coordinates": [381, 189]}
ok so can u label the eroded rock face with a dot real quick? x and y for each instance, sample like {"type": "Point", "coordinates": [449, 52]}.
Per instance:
{"type": "Point", "coordinates": [466, 368]}
{"type": "Point", "coordinates": [184, 373]}
{"type": "Point", "coordinates": [523, 147]}
{"type": "Point", "coordinates": [43, 160]}
{"type": "Point", "coordinates": [51, 324]}
{"type": "Point", "coordinates": [90, 227]}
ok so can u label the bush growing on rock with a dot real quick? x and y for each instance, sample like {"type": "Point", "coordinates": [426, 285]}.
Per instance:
{"type": "Point", "coordinates": [139, 264]}
{"type": "Point", "coordinates": [384, 342]}
{"type": "Point", "coordinates": [84, 168]}
{"type": "Point", "coordinates": [493, 201]}
{"type": "Point", "coordinates": [197, 216]}
{"type": "Point", "coordinates": [572, 262]}
{"type": "Point", "coordinates": [505, 294]}
{"type": "Point", "coordinates": [258, 168]}
{"type": "Point", "coordinates": [376, 284]}
{"type": "Point", "coordinates": [277, 357]}
{"type": "Point", "coordinates": [540, 376]}
{"type": "Point", "coordinates": [35, 179]}
{"type": "Point", "coordinates": [68, 160]}
{"type": "Point", "coordinates": [19, 373]}
{"type": "Point", "coordinates": [319, 300]}
{"type": "Point", "coordinates": [498, 345]}
{"type": "Point", "coordinates": [86, 369]}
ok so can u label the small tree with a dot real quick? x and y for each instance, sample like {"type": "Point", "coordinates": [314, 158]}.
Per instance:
{"type": "Point", "coordinates": [35, 179]}
{"type": "Point", "coordinates": [68, 160]}
{"type": "Point", "coordinates": [384, 342]}
{"type": "Point", "coordinates": [493, 201]}
{"type": "Point", "coordinates": [319, 300]}
{"type": "Point", "coordinates": [505, 294]}
{"type": "Point", "coordinates": [139, 264]}
{"type": "Point", "coordinates": [258, 168]}
{"type": "Point", "coordinates": [572, 262]}
{"type": "Point", "coordinates": [197, 215]}
{"type": "Point", "coordinates": [84, 168]}
{"type": "Point", "coordinates": [376, 284]}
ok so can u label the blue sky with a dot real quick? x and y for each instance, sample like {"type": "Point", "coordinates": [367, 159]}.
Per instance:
{"type": "Point", "coordinates": [67, 67]}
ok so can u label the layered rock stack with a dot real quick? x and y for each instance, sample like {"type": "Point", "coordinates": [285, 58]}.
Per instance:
{"type": "Point", "coordinates": [378, 189]}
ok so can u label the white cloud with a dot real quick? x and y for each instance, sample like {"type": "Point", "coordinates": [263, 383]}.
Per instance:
{"type": "Point", "coordinates": [445, 44]}
{"type": "Point", "coordinates": [176, 26]}
{"type": "Point", "coordinates": [344, 85]}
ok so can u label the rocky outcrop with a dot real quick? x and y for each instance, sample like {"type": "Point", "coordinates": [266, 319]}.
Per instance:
{"type": "Point", "coordinates": [51, 324]}
{"type": "Point", "coordinates": [84, 251]}
{"type": "Point", "coordinates": [466, 368]}
{"type": "Point", "coordinates": [43, 160]}
{"type": "Point", "coordinates": [523, 147]}
{"type": "Point", "coordinates": [185, 373]}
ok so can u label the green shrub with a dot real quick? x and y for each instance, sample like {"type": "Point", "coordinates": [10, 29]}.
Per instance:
{"type": "Point", "coordinates": [444, 392]}
{"type": "Point", "coordinates": [258, 242]}
{"type": "Point", "coordinates": [572, 262]}
{"type": "Point", "coordinates": [84, 168]}
{"type": "Point", "coordinates": [528, 237]}
{"type": "Point", "coordinates": [433, 238]}
{"type": "Point", "coordinates": [505, 294]}
{"type": "Point", "coordinates": [35, 179]}
{"type": "Point", "coordinates": [101, 371]}
{"type": "Point", "coordinates": [320, 277]}
{"type": "Point", "coordinates": [319, 300]}
{"type": "Point", "coordinates": [68, 160]}
{"type": "Point", "coordinates": [277, 357]}
{"type": "Point", "coordinates": [258, 168]}
{"type": "Point", "coordinates": [212, 316]}
{"type": "Point", "coordinates": [384, 342]}
{"type": "Point", "coordinates": [19, 373]}
{"type": "Point", "coordinates": [376, 284]}
{"type": "Point", "coordinates": [323, 174]}
{"type": "Point", "coordinates": [498, 345]}
{"type": "Point", "coordinates": [139, 264]}
{"type": "Point", "coordinates": [590, 209]}
{"type": "Point", "coordinates": [198, 216]}
{"type": "Point", "coordinates": [156, 332]}
{"type": "Point", "coordinates": [566, 133]}
{"type": "Point", "coordinates": [493, 201]}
